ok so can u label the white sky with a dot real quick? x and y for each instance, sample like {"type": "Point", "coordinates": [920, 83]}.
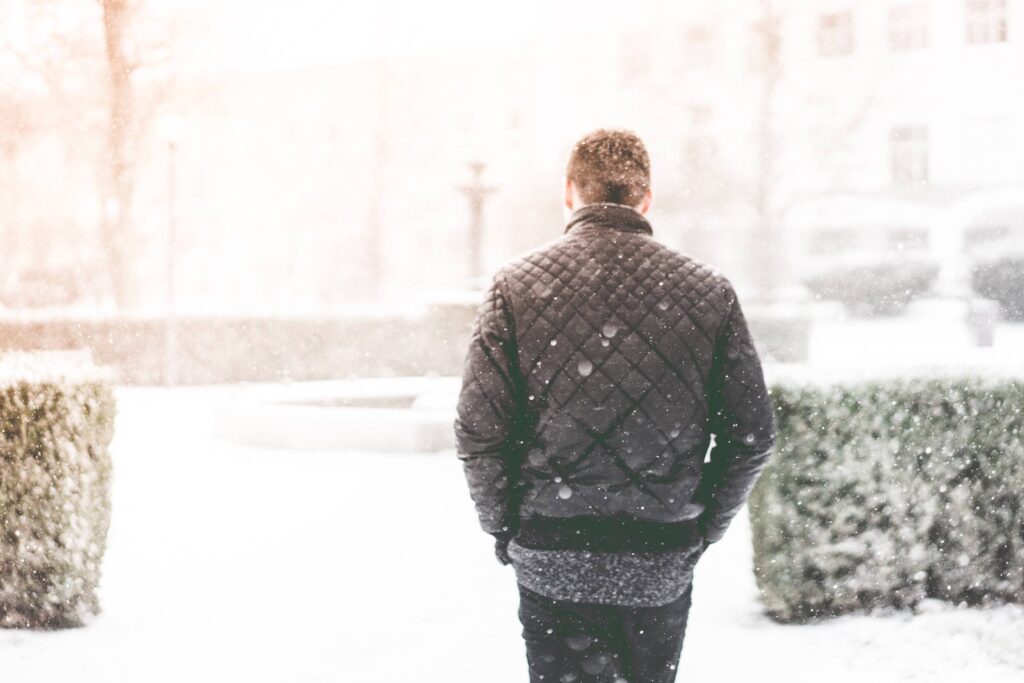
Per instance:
{"type": "Point", "coordinates": [245, 34]}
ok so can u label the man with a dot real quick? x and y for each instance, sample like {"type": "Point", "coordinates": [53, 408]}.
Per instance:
{"type": "Point", "coordinates": [600, 365]}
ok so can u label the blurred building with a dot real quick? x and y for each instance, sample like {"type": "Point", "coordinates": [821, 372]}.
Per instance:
{"type": "Point", "coordinates": [880, 129]}
{"type": "Point", "coordinates": [787, 137]}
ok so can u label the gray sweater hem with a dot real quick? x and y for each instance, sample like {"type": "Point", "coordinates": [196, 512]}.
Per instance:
{"type": "Point", "coordinates": [638, 579]}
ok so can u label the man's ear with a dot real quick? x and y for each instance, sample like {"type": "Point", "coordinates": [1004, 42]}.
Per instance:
{"type": "Point", "coordinates": [568, 194]}
{"type": "Point", "coordinates": [645, 205]}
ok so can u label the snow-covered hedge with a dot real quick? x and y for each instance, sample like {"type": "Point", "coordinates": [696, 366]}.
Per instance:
{"type": "Point", "coordinates": [884, 288]}
{"type": "Point", "coordinates": [56, 422]}
{"type": "Point", "coordinates": [885, 492]}
{"type": "Point", "coordinates": [1002, 279]}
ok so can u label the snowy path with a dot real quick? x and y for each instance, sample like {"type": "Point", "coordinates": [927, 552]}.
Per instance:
{"type": "Point", "coordinates": [229, 563]}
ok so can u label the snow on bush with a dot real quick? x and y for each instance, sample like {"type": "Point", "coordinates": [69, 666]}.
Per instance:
{"type": "Point", "coordinates": [56, 421]}
{"type": "Point", "coordinates": [1002, 279]}
{"type": "Point", "coordinates": [884, 288]}
{"type": "Point", "coordinates": [886, 492]}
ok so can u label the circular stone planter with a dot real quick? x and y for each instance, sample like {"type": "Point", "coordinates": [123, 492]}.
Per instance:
{"type": "Point", "coordinates": [401, 414]}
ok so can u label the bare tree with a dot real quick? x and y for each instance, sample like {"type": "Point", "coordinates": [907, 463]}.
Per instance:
{"type": "Point", "coordinates": [105, 78]}
{"type": "Point", "coordinates": [785, 151]}
{"type": "Point", "coordinates": [119, 181]}
{"type": "Point", "coordinates": [768, 65]}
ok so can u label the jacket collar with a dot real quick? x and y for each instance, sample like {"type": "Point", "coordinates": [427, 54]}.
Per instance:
{"type": "Point", "coordinates": [606, 215]}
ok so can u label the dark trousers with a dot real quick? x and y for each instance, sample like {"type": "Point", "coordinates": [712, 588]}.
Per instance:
{"type": "Point", "coordinates": [570, 642]}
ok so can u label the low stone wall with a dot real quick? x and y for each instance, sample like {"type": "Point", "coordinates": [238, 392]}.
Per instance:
{"type": "Point", "coordinates": [254, 349]}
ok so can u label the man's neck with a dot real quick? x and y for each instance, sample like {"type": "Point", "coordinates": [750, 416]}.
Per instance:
{"type": "Point", "coordinates": [581, 206]}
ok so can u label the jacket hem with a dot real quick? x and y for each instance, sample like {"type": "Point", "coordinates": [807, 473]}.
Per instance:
{"type": "Point", "coordinates": [606, 534]}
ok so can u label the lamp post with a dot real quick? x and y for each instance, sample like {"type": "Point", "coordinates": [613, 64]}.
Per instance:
{"type": "Point", "coordinates": [169, 129]}
{"type": "Point", "coordinates": [476, 191]}
{"type": "Point", "coordinates": [375, 238]}
{"type": "Point", "coordinates": [171, 339]}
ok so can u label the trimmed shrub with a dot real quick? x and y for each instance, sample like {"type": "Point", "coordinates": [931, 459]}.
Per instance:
{"type": "Point", "coordinates": [1002, 279]}
{"type": "Point", "coordinates": [875, 289]}
{"type": "Point", "coordinates": [55, 427]}
{"type": "Point", "coordinates": [882, 493]}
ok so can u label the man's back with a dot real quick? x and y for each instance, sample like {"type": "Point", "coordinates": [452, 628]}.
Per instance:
{"type": "Point", "coordinates": [599, 367]}
{"type": "Point", "coordinates": [615, 338]}
{"type": "Point", "coordinates": [606, 361]}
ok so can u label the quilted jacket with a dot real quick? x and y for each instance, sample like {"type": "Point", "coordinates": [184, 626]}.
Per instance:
{"type": "Point", "coordinates": [600, 365]}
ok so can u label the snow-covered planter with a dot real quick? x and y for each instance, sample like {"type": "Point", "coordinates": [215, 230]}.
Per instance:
{"type": "Point", "coordinates": [1002, 279]}
{"type": "Point", "coordinates": [885, 492]}
{"type": "Point", "coordinates": [56, 422]}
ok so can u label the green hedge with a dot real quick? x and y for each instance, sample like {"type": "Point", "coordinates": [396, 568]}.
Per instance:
{"type": "Point", "coordinates": [54, 493]}
{"type": "Point", "coordinates": [885, 492]}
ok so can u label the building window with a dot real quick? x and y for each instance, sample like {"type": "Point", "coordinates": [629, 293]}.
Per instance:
{"type": "Point", "coordinates": [909, 149]}
{"type": "Point", "coordinates": [766, 43]}
{"type": "Point", "coordinates": [698, 47]}
{"type": "Point", "coordinates": [636, 58]}
{"type": "Point", "coordinates": [986, 21]}
{"type": "Point", "coordinates": [908, 27]}
{"type": "Point", "coordinates": [835, 34]}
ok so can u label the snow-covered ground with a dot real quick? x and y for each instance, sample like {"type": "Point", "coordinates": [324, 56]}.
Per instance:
{"type": "Point", "coordinates": [231, 563]}
{"type": "Point", "coordinates": [925, 338]}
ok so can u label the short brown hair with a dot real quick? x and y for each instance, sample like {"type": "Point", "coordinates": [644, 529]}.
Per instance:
{"type": "Point", "coordinates": [610, 165]}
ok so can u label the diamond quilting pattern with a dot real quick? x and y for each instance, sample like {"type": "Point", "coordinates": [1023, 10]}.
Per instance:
{"type": "Point", "coordinates": [605, 360]}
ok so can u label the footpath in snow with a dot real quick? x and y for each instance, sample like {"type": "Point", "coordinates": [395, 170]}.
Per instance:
{"type": "Point", "coordinates": [231, 563]}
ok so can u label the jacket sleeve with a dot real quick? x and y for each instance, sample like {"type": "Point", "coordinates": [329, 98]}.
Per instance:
{"type": "Point", "coordinates": [488, 413]}
{"type": "Point", "coordinates": [741, 420]}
